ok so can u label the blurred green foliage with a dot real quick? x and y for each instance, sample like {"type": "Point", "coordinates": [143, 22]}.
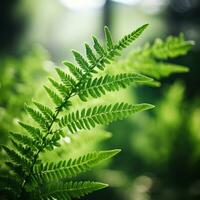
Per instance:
{"type": "Point", "coordinates": [19, 80]}
{"type": "Point", "coordinates": [167, 146]}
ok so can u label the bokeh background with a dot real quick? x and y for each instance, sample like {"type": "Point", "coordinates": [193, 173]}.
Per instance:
{"type": "Point", "coordinates": [161, 149]}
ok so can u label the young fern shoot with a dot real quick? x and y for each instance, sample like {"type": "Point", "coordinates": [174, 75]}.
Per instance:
{"type": "Point", "coordinates": [31, 178]}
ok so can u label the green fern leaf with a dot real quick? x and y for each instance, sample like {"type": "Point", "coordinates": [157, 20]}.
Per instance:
{"type": "Point", "coordinates": [86, 119]}
{"type": "Point", "coordinates": [71, 168]}
{"type": "Point", "coordinates": [20, 148]}
{"type": "Point", "coordinates": [67, 80]}
{"type": "Point", "coordinates": [78, 74]}
{"type": "Point", "coordinates": [126, 40]}
{"type": "Point", "coordinates": [90, 55]}
{"type": "Point", "coordinates": [64, 91]}
{"type": "Point", "coordinates": [37, 117]}
{"type": "Point", "coordinates": [171, 48]}
{"type": "Point", "coordinates": [16, 158]}
{"type": "Point", "coordinates": [55, 98]}
{"type": "Point", "coordinates": [47, 112]}
{"type": "Point", "coordinates": [26, 141]}
{"type": "Point", "coordinates": [34, 132]}
{"type": "Point", "coordinates": [163, 49]}
{"type": "Point", "coordinates": [25, 151]}
{"type": "Point", "coordinates": [69, 190]}
{"type": "Point", "coordinates": [107, 56]}
{"type": "Point", "coordinates": [108, 38]}
{"type": "Point", "coordinates": [40, 180]}
{"type": "Point", "coordinates": [156, 69]}
{"type": "Point", "coordinates": [98, 86]}
{"type": "Point", "coordinates": [98, 47]}
{"type": "Point", "coordinates": [81, 61]}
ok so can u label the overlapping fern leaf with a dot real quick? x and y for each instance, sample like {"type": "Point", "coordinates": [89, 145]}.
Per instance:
{"type": "Point", "coordinates": [172, 47]}
{"type": "Point", "coordinates": [151, 59]}
{"type": "Point", "coordinates": [52, 180]}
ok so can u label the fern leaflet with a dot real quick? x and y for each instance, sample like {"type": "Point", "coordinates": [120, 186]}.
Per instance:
{"type": "Point", "coordinates": [98, 86]}
{"type": "Point", "coordinates": [72, 167]}
{"type": "Point", "coordinates": [70, 189]}
{"type": "Point", "coordinates": [86, 119]}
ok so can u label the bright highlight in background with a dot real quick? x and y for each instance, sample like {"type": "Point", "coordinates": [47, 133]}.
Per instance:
{"type": "Point", "coordinates": [129, 2]}
{"type": "Point", "coordinates": [83, 4]}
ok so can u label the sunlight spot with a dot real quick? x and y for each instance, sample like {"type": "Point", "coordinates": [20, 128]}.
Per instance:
{"type": "Point", "coordinates": [83, 4]}
{"type": "Point", "coordinates": [67, 140]}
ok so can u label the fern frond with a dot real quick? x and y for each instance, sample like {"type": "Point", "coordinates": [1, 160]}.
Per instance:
{"type": "Point", "coordinates": [78, 74]}
{"type": "Point", "coordinates": [55, 98]}
{"type": "Point", "coordinates": [108, 38]}
{"type": "Point", "coordinates": [17, 158]}
{"type": "Point", "coordinates": [26, 141]}
{"type": "Point", "coordinates": [47, 112]}
{"type": "Point", "coordinates": [81, 61]}
{"type": "Point", "coordinates": [20, 148]}
{"type": "Point", "coordinates": [86, 119]}
{"type": "Point", "coordinates": [67, 80]}
{"type": "Point", "coordinates": [34, 132]}
{"type": "Point", "coordinates": [47, 180]}
{"type": "Point", "coordinates": [69, 190]}
{"type": "Point", "coordinates": [37, 117]}
{"type": "Point", "coordinates": [90, 55]}
{"type": "Point", "coordinates": [126, 40]}
{"type": "Point", "coordinates": [98, 47]}
{"type": "Point", "coordinates": [163, 49]}
{"type": "Point", "coordinates": [23, 150]}
{"type": "Point", "coordinates": [107, 56]}
{"type": "Point", "coordinates": [157, 69]}
{"type": "Point", "coordinates": [171, 48]}
{"type": "Point", "coordinates": [98, 86]}
{"type": "Point", "coordinates": [146, 60]}
{"type": "Point", "coordinates": [63, 90]}
{"type": "Point", "coordinates": [166, 69]}
{"type": "Point", "coordinates": [71, 168]}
